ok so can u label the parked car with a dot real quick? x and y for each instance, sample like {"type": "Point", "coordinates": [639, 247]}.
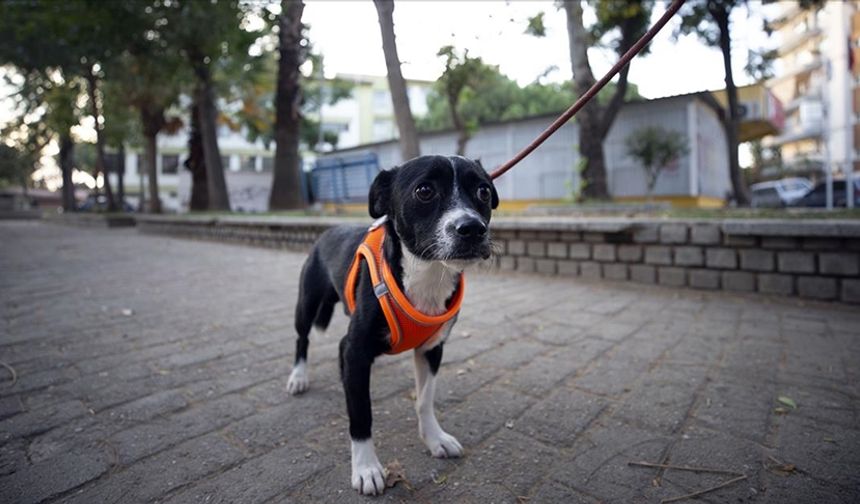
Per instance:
{"type": "Point", "coordinates": [817, 197]}
{"type": "Point", "coordinates": [779, 193]}
{"type": "Point", "coordinates": [98, 203]}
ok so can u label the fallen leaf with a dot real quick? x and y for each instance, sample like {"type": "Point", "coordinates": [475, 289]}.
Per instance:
{"type": "Point", "coordinates": [787, 401]}
{"type": "Point", "coordinates": [128, 312]}
{"type": "Point", "coordinates": [829, 440]}
{"type": "Point", "coordinates": [394, 474]}
{"type": "Point", "coordinates": [509, 424]}
{"type": "Point", "coordinates": [780, 411]}
{"type": "Point", "coordinates": [440, 480]}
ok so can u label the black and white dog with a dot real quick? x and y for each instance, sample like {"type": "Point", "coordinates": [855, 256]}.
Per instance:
{"type": "Point", "coordinates": [438, 211]}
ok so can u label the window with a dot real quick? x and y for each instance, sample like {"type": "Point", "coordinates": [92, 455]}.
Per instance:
{"type": "Point", "coordinates": [249, 163]}
{"type": "Point", "coordinates": [383, 129]}
{"type": "Point", "coordinates": [169, 164]}
{"type": "Point", "coordinates": [225, 162]}
{"type": "Point", "coordinates": [268, 164]}
{"type": "Point", "coordinates": [381, 100]}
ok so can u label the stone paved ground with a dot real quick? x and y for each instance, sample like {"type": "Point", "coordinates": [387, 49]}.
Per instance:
{"type": "Point", "coordinates": [552, 385]}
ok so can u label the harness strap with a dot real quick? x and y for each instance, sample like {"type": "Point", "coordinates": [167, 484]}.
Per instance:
{"type": "Point", "coordinates": [396, 308]}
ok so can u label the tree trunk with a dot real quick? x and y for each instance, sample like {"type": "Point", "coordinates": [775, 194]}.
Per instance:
{"type": "Point", "coordinates": [67, 166]}
{"type": "Point", "coordinates": [152, 173]}
{"type": "Point", "coordinates": [589, 120]}
{"type": "Point", "coordinates": [399, 96]}
{"type": "Point", "coordinates": [731, 122]}
{"type": "Point", "coordinates": [92, 88]}
{"type": "Point", "coordinates": [286, 182]}
{"type": "Point", "coordinates": [120, 178]}
{"type": "Point", "coordinates": [216, 185]}
{"type": "Point", "coordinates": [196, 164]}
{"type": "Point", "coordinates": [152, 121]}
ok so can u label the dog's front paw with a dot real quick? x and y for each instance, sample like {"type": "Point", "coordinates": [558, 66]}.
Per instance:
{"type": "Point", "coordinates": [443, 445]}
{"type": "Point", "coordinates": [298, 382]}
{"type": "Point", "coordinates": [369, 478]}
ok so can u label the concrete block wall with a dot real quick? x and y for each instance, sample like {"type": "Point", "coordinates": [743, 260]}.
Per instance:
{"type": "Point", "coordinates": [810, 259]}
{"type": "Point", "coordinates": [817, 263]}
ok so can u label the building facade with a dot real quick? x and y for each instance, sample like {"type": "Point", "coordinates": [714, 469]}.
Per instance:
{"type": "Point", "coordinates": [818, 82]}
{"type": "Point", "coordinates": [551, 173]}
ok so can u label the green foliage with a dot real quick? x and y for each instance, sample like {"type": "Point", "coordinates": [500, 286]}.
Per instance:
{"type": "Point", "coordinates": [631, 16]}
{"type": "Point", "coordinates": [655, 147]}
{"type": "Point", "coordinates": [536, 26]}
{"type": "Point", "coordinates": [760, 64]}
{"type": "Point", "coordinates": [16, 165]}
{"type": "Point", "coordinates": [697, 18]}
{"type": "Point", "coordinates": [496, 97]}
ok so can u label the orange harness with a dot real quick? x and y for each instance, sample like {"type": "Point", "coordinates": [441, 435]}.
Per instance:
{"type": "Point", "coordinates": [409, 327]}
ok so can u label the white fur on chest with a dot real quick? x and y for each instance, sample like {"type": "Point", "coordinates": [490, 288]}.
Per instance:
{"type": "Point", "coordinates": [428, 284]}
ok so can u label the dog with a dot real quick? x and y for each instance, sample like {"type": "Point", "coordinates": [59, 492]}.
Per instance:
{"type": "Point", "coordinates": [433, 214]}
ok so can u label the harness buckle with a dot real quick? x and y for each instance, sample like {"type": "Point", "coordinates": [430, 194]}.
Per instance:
{"type": "Point", "coordinates": [380, 289]}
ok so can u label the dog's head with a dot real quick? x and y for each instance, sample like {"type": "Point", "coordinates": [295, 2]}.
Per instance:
{"type": "Point", "coordinates": [440, 206]}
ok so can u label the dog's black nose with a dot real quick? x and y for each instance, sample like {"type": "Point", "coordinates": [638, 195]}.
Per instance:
{"type": "Point", "coordinates": [469, 227]}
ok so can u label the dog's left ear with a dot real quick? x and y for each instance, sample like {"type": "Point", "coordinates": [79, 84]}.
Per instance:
{"type": "Point", "coordinates": [379, 199]}
{"type": "Point", "coordinates": [494, 200]}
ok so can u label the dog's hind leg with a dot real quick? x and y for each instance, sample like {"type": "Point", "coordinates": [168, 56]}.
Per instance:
{"type": "Point", "coordinates": [440, 443]}
{"type": "Point", "coordinates": [313, 291]}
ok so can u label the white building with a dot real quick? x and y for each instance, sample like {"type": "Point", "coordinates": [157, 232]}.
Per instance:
{"type": "Point", "coordinates": [821, 94]}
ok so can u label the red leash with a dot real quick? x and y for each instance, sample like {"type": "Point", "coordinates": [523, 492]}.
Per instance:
{"type": "Point", "coordinates": [558, 123]}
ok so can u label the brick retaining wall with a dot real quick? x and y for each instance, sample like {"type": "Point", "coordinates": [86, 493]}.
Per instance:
{"type": "Point", "coordinates": [812, 259]}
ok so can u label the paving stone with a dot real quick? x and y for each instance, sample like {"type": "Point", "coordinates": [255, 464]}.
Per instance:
{"type": "Point", "coordinates": [630, 253]}
{"type": "Point", "coordinates": [643, 273]}
{"type": "Point", "coordinates": [658, 254]}
{"type": "Point", "coordinates": [646, 234]}
{"type": "Point", "coordinates": [604, 252]}
{"type": "Point", "coordinates": [705, 234]}
{"type": "Point", "coordinates": [184, 401]}
{"type": "Point", "coordinates": [615, 271]}
{"type": "Point", "coordinates": [776, 284]}
{"type": "Point", "coordinates": [673, 233]}
{"type": "Point", "coordinates": [822, 244]}
{"type": "Point", "coordinates": [780, 242]}
{"type": "Point", "coordinates": [516, 247]}
{"type": "Point", "coordinates": [816, 287]}
{"type": "Point", "coordinates": [668, 275]}
{"type": "Point", "coordinates": [525, 264]}
{"type": "Point", "coordinates": [536, 249]}
{"type": "Point", "coordinates": [590, 270]}
{"type": "Point", "coordinates": [568, 268]}
{"type": "Point", "coordinates": [689, 256]}
{"type": "Point", "coordinates": [850, 291]}
{"type": "Point", "coordinates": [704, 279]}
{"type": "Point", "coordinates": [839, 263]}
{"type": "Point", "coordinates": [580, 251]}
{"type": "Point", "coordinates": [593, 237]}
{"type": "Point", "coordinates": [737, 281]}
{"type": "Point", "coordinates": [723, 258]}
{"type": "Point", "coordinates": [757, 260]}
{"type": "Point", "coordinates": [557, 249]}
{"type": "Point", "coordinates": [50, 478]}
{"type": "Point", "coordinates": [796, 262]}
{"type": "Point", "coordinates": [546, 266]}
{"type": "Point", "coordinates": [739, 241]}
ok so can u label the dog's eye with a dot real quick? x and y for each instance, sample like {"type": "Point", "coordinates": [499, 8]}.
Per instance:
{"type": "Point", "coordinates": [425, 193]}
{"type": "Point", "coordinates": [484, 194]}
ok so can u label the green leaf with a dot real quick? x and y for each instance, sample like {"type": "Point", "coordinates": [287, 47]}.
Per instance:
{"type": "Point", "coordinates": [787, 401]}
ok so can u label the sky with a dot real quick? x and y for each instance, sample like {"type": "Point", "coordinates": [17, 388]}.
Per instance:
{"type": "Point", "coordinates": [347, 34]}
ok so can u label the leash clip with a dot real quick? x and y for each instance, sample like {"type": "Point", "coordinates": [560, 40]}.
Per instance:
{"type": "Point", "coordinates": [380, 289]}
